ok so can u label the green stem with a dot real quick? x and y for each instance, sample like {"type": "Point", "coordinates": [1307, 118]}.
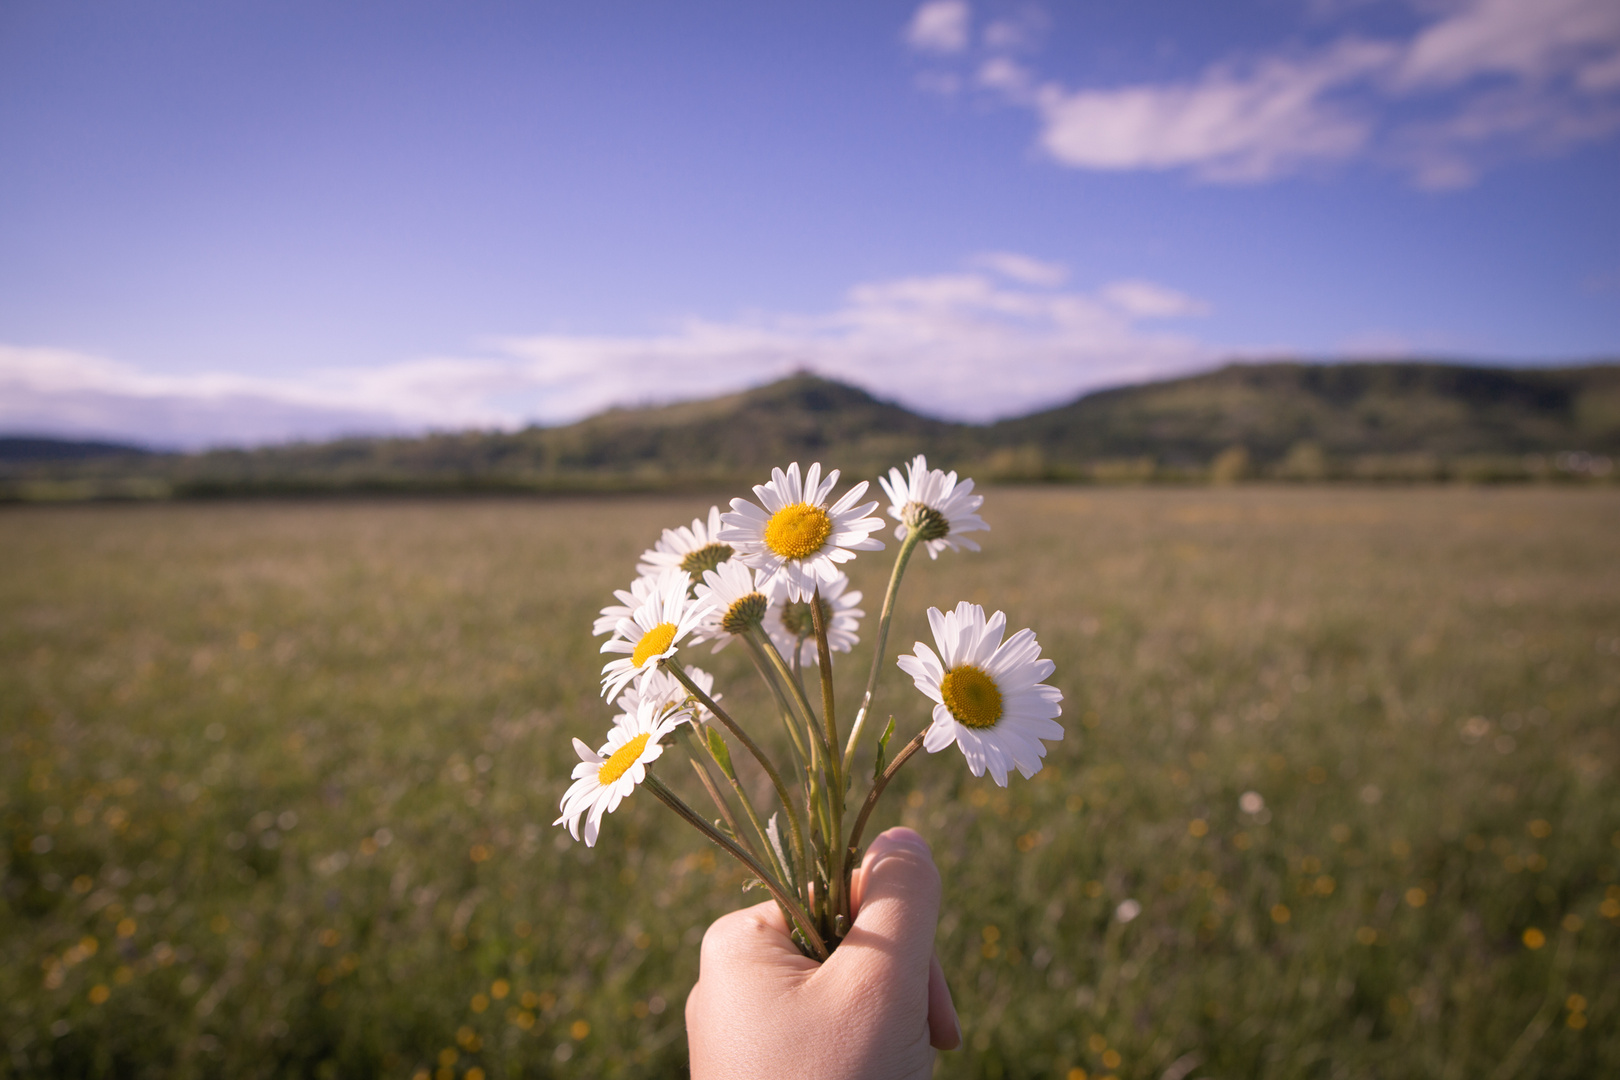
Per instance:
{"type": "Point", "coordinates": [839, 897]}
{"type": "Point", "coordinates": [907, 546]}
{"type": "Point", "coordinates": [795, 912]}
{"type": "Point", "coordinates": [820, 802]}
{"type": "Point", "coordinates": [784, 707]}
{"type": "Point", "coordinates": [829, 713]}
{"type": "Point", "coordinates": [820, 752]}
{"type": "Point", "coordinates": [753, 816]}
{"type": "Point", "coordinates": [725, 808]}
{"type": "Point", "coordinates": [674, 667]}
{"type": "Point", "coordinates": [806, 714]}
{"type": "Point", "coordinates": [877, 789]}
{"type": "Point", "coordinates": [801, 759]}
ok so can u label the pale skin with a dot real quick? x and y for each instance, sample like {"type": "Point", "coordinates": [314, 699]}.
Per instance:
{"type": "Point", "coordinates": [876, 1010]}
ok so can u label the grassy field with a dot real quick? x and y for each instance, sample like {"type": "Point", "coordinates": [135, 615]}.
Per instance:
{"type": "Point", "coordinates": [276, 785]}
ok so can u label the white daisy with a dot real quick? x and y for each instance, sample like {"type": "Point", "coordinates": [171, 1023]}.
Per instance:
{"type": "Point", "coordinates": [797, 537]}
{"type": "Point", "coordinates": [791, 625]}
{"type": "Point", "coordinates": [738, 599]}
{"type": "Point", "coordinates": [988, 694]}
{"type": "Point", "coordinates": [629, 599]}
{"type": "Point", "coordinates": [694, 549]}
{"type": "Point", "coordinates": [667, 692]}
{"type": "Point", "coordinates": [604, 777]}
{"type": "Point", "coordinates": [934, 502]}
{"type": "Point", "coordinates": [651, 633]}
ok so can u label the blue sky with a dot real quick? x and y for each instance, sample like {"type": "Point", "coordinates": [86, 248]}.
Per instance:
{"type": "Point", "coordinates": [232, 222]}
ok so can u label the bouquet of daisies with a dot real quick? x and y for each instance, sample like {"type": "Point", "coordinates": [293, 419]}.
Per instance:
{"type": "Point", "coordinates": [768, 574]}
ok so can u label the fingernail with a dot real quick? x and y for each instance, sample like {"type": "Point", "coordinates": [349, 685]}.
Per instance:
{"type": "Point", "coordinates": [900, 836]}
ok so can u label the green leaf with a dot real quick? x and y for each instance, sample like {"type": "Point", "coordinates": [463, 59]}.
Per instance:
{"type": "Point", "coordinates": [883, 750]}
{"type": "Point", "coordinates": [721, 753]}
{"type": "Point", "coordinates": [773, 833]}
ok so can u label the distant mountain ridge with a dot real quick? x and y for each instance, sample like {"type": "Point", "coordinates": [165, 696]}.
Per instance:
{"type": "Point", "coordinates": [1368, 420]}
{"type": "Point", "coordinates": [28, 448]}
{"type": "Point", "coordinates": [1346, 409]}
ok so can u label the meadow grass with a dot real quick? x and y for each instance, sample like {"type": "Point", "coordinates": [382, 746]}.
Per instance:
{"type": "Point", "coordinates": [277, 785]}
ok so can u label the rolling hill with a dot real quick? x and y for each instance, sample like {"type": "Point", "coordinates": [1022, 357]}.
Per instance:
{"type": "Point", "coordinates": [1373, 421]}
{"type": "Point", "coordinates": [1346, 409]}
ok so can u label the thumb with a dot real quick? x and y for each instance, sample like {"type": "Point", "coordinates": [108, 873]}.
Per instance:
{"type": "Point", "coordinates": [891, 943]}
{"type": "Point", "coordinates": [897, 891]}
{"type": "Point", "coordinates": [912, 875]}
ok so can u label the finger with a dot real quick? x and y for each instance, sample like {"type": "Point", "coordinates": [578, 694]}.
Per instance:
{"type": "Point", "coordinates": [893, 933]}
{"type": "Point", "coordinates": [748, 938]}
{"type": "Point", "coordinates": [898, 834]}
{"type": "Point", "coordinates": [944, 1028]}
{"type": "Point", "coordinates": [747, 957]}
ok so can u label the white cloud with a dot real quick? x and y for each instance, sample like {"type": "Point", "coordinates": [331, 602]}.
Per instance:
{"type": "Point", "coordinates": [1011, 78]}
{"type": "Point", "coordinates": [1022, 31]}
{"type": "Point", "coordinates": [1229, 125]}
{"type": "Point", "coordinates": [1530, 39]}
{"type": "Point", "coordinates": [1147, 300]}
{"type": "Point", "coordinates": [1601, 75]}
{"type": "Point", "coordinates": [62, 392]}
{"type": "Point", "coordinates": [1452, 151]}
{"type": "Point", "coordinates": [972, 345]}
{"type": "Point", "coordinates": [939, 26]}
{"type": "Point", "coordinates": [1023, 268]}
{"type": "Point", "coordinates": [961, 345]}
{"type": "Point", "coordinates": [1482, 82]}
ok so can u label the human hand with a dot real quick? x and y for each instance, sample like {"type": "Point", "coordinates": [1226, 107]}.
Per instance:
{"type": "Point", "coordinates": [875, 1010]}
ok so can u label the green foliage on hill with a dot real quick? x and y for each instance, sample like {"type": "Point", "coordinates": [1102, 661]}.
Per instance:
{"type": "Point", "coordinates": [22, 448]}
{"type": "Point", "coordinates": [1375, 421]}
{"type": "Point", "coordinates": [1345, 409]}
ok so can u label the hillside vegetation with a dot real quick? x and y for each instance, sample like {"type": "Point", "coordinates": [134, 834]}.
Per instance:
{"type": "Point", "coordinates": [1345, 410]}
{"type": "Point", "coordinates": [1383, 421]}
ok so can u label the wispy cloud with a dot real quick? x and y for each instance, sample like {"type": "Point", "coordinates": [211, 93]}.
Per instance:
{"type": "Point", "coordinates": [63, 392]}
{"type": "Point", "coordinates": [1230, 125]}
{"type": "Point", "coordinates": [1019, 32]}
{"type": "Point", "coordinates": [1481, 82]}
{"type": "Point", "coordinates": [1531, 40]}
{"type": "Point", "coordinates": [939, 26]}
{"type": "Point", "coordinates": [994, 340]}
{"type": "Point", "coordinates": [1147, 300]}
{"type": "Point", "coordinates": [1023, 268]}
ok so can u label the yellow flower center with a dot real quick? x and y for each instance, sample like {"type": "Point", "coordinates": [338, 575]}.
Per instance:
{"type": "Point", "coordinates": [798, 531]}
{"type": "Point", "coordinates": [654, 642]}
{"type": "Point", "coordinates": [972, 696]}
{"type": "Point", "coordinates": [624, 757]}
